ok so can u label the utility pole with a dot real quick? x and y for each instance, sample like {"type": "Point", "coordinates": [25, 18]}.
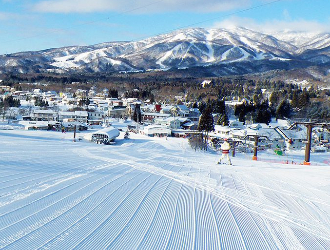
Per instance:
{"type": "Point", "coordinates": [310, 126]}
{"type": "Point", "coordinates": [309, 144]}
{"type": "Point", "coordinates": [234, 146]}
{"type": "Point", "coordinates": [74, 133]}
{"type": "Point", "coordinates": [255, 148]}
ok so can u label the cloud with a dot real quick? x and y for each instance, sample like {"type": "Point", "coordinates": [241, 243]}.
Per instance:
{"type": "Point", "coordinates": [67, 6]}
{"type": "Point", "coordinates": [138, 6]}
{"type": "Point", "coordinates": [286, 15]}
{"type": "Point", "coordinates": [8, 16]}
{"type": "Point", "coordinates": [275, 25]}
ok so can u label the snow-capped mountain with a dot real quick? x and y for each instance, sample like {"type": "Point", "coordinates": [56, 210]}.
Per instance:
{"type": "Point", "coordinates": [236, 50]}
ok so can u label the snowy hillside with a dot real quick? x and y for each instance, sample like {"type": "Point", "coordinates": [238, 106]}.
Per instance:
{"type": "Point", "coordinates": [153, 193]}
{"type": "Point", "coordinates": [237, 48]}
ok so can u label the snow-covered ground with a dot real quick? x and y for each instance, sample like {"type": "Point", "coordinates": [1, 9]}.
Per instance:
{"type": "Point", "coordinates": [156, 193]}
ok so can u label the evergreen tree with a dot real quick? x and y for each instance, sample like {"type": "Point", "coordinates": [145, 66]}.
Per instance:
{"type": "Point", "coordinates": [303, 99]}
{"type": "Point", "coordinates": [219, 107]}
{"type": "Point", "coordinates": [202, 107]}
{"type": "Point", "coordinates": [262, 113]}
{"type": "Point", "coordinates": [274, 98]}
{"type": "Point", "coordinates": [263, 116]}
{"type": "Point", "coordinates": [152, 98]}
{"type": "Point", "coordinates": [257, 97]}
{"type": "Point", "coordinates": [11, 102]}
{"type": "Point", "coordinates": [206, 122]}
{"type": "Point", "coordinates": [113, 93]}
{"type": "Point", "coordinates": [283, 110]}
{"type": "Point", "coordinates": [294, 101]}
{"type": "Point", "coordinates": [241, 117]}
{"type": "Point", "coordinates": [239, 109]}
{"type": "Point", "coordinates": [8, 102]}
{"type": "Point", "coordinates": [40, 103]}
{"type": "Point", "coordinates": [223, 120]}
{"type": "Point", "coordinates": [137, 113]}
{"type": "Point", "coordinates": [242, 110]}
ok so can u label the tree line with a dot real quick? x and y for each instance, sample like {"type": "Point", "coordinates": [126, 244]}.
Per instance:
{"type": "Point", "coordinates": [284, 100]}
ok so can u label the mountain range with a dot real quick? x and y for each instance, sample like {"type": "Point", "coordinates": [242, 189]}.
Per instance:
{"type": "Point", "coordinates": [220, 51]}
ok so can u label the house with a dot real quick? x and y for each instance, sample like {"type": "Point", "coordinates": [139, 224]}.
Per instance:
{"type": "Point", "coordinates": [81, 116]}
{"type": "Point", "coordinates": [293, 139]}
{"type": "Point", "coordinates": [95, 117]}
{"type": "Point", "coordinates": [171, 122]}
{"type": "Point", "coordinates": [151, 116]}
{"type": "Point", "coordinates": [69, 116]}
{"type": "Point", "coordinates": [44, 115]}
{"type": "Point", "coordinates": [4, 88]}
{"type": "Point", "coordinates": [322, 135]}
{"type": "Point", "coordinates": [186, 123]}
{"type": "Point", "coordinates": [222, 131]}
{"type": "Point", "coordinates": [236, 125]}
{"type": "Point", "coordinates": [167, 109]}
{"type": "Point", "coordinates": [156, 130]}
{"type": "Point", "coordinates": [114, 102]}
{"type": "Point", "coordinates": [194, 115]}
{"type": "Point", "coordinates": [81, 94]}
{"type": "Point", "coordinates": [268, 137]}
{"type": "Point", "coordinates": [73, 126]}
{"type": "Point", "coordinates": [66, 116]}
{"type": "Point", "coordinates": [117, 112]}
{"type": "Point", "coordinates": [134, 108]}
{"type": "Point", "coordinates": [183, 110]}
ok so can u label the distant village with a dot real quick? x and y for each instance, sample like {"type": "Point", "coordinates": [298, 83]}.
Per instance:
{"type": "Point", "coordinates": [67, 111]}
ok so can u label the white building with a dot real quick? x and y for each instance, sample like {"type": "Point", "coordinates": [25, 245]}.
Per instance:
{"type": "Point", "coordinates": [79, 116]}
{"type": "Point", "coordinates": [156, 130]}
{"type": "Point", "coordinates": [171, 122]}
{"type": "Point", "coordinates": [104, 136]}
{"type": "Point", "coordinates": [44, 115]}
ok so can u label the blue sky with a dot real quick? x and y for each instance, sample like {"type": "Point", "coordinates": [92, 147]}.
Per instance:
{"type": "Point", "coordinates": [42, 24]}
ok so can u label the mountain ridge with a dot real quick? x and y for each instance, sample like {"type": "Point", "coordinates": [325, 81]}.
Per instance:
{"type": "Point", "coordinates": [180, 49]}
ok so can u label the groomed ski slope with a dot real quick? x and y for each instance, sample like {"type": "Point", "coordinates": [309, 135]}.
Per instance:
{"type": "Point", "coordinates": [153, 193]}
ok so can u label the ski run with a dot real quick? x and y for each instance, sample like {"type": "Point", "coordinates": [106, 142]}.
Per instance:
{"type": "Point", "coordinates": [156, 193]}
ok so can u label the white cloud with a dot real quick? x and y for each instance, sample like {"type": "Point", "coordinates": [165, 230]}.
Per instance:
{"type": "Point", "coordinates": [286, 15]}
{"type": "Point", "coordinates": [275, 25]}
{"type": "Point", "coordinates": [140, 6]}
{"type": "Point", "coordinates": [7, 16]}
{"type": "Point", "coordinates": [67, 6]}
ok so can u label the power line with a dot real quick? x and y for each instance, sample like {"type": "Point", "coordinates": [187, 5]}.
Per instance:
{"type": "Point", "coordinates": [85, 23]}
{"type": "Point", "coordinates": [196, 23]}
{"type": "Point", "coordinates": [168, 31]}
{"type": "Point", "coordinates": [222, 16]}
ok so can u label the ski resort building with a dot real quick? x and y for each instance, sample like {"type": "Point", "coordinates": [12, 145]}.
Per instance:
{"type": "Point", "coordinates": [103, 136]}
{"type": "Point", "coordinates": [40, 125]}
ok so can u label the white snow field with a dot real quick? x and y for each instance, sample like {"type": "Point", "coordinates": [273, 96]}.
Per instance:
{"type": "Point", "coordinates": [156, 193]}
